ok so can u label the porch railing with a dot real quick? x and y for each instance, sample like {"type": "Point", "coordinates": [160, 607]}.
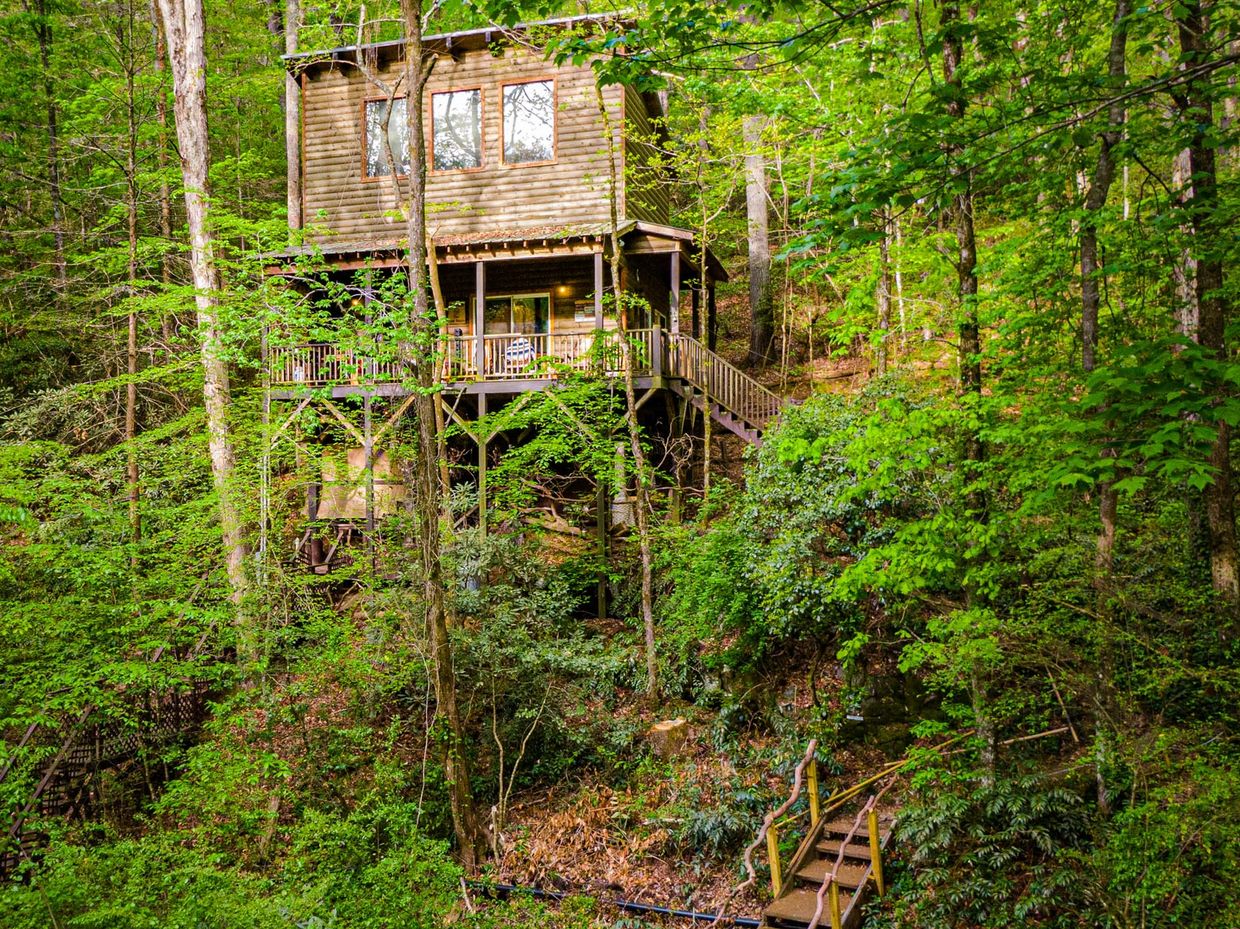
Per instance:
{"type": "Point", "coordinates": [514, 356]}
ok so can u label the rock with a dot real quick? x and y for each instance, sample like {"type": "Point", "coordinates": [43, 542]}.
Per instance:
{"type": "Point", "coordinates": [668, 737]}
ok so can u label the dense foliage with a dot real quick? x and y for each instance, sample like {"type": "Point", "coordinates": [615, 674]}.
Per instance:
{"type": "Point", "coordinates": [1019, 544]}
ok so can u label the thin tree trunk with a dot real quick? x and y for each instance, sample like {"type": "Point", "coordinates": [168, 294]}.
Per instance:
{"type": "Point", "coordinates": [641, 500]}
{"type": "Point", "coordinates": [292, 116]}
{"type": "Point", "coordinates": [968, 328]}
{"type": "Point", "coordinates": [131, 355]}
{"type": "Point", "coordinates": [761, 304]}
{"type": "Point", "coordinates": [882, 297]}
{"type": "Point", "coordinates": [428, 494]}
{"type": "Point", "coordinates": [1213, 311]}
{"type": "Point", "coordinates": [165, 192]}
{"type": "Point", "coordinates": [43, 34]}
{"type": "Point", "coordinates": [1091, 266]}
{"type": "Point", "coordinates": [184, 29]}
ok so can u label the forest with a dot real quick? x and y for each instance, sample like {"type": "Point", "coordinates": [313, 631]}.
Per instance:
{"type": "Point", "coordinates": [886, 574]}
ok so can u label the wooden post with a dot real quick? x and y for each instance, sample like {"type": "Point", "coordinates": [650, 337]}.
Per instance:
{"type": "Point", "coordinates": [876, 853]}
{"type": "Point", "coordinates": [772, 852]}
{"type": "Point", "coordinates": [600, 504]}
{"type": "Point", "coordinates": [695, 297]}
{"type": "Point", "coordinates": [712, 323]}
{"type": "Point", "coordinates": [812, 786]}
{"type": "Point", "coordinates": [480, 309]}
{"type": "Point", "coordinates": [368, 463]}
{"type": "Point", "coordinates": [656, 351]}
{"type": "Point", "coordinates": [482, 455]}
{"type": "Point", "coordinates": [837, 921]}
{"type": "Point", "coordinates": [598, 290]}
{"type": "Point", "coordinates": [673, 316]}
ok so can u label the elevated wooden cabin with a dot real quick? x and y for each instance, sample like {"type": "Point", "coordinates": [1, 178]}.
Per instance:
{"type": "Point", "coordinates": [519, 190]}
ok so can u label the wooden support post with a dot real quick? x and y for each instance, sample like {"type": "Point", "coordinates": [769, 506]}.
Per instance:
{"type": "Point", "coordinates": [600, 504]}
{"type": "Point", "coordinates": [812, 786]}
{"type": "Point", "coordinates": [483, 436]}
{"type": "Point", "coordinates": [712, 321]}
{"type": "Point", "coordinates": [695, 298]}
{"type": "Point", "coordinates": [837, 921]}
{"type": "Point", "coordinates": [772, 853]}
{"type": "Point", "coordinates": [673, 316]}
{"type": "Point", "coordinates": [480, 311]}
{"type": "Point", "coordinates": [598, 290]}
{"type": "Point", "coordinates": [656, 351]}
{"type": "Point", "coordinates": [876, 853]}
{"type": "Point", "coordinates": [368, 462]}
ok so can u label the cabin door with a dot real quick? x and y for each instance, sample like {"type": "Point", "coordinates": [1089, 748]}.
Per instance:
{"type": "Point", "coordinates": [525, 314]}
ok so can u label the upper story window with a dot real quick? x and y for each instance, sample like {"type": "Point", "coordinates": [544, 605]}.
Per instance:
{"type": "Point", "coordinates": [377, 164]}
{"type": "Point", "coordinates": [456, 130]}
{"type": "Point", "coordinates": [529, 122]}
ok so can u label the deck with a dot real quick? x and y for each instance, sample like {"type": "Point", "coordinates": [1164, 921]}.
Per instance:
{"type": "Point", "coordinates": [513, 363]}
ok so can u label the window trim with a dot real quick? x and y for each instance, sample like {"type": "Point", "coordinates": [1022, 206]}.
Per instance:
{"type": "Point", "coordinates": [549, 294]}
{"type": "Point", "coordinates": [368, 178]}
{"type": "Point", "coordinates": [555, 122]}
{"type": "Point", "coordinates": [482, 130]}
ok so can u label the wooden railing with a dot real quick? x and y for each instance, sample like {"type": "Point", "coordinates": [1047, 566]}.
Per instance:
{"type": "Point", "coordinates": [721, 382]}
{"type": "Point", "coordinates": [527, 356]}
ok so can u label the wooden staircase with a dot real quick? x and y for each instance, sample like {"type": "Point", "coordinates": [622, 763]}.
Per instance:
{"type": "Point", "coordinates": [723, 391]}
{"type": "Point", "coordinates": [833, 872]}
{"type": "Point", "coordinates": [94, 744]}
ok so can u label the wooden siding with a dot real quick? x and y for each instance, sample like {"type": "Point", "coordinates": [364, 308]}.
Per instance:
{"type": "Point", "coordinates": [572, 189]}
{"type": "Point", "coordinates": [647, 194]}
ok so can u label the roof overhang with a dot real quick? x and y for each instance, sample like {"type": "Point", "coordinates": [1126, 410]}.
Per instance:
{"type": "Point", "coordinates": [530, 242]}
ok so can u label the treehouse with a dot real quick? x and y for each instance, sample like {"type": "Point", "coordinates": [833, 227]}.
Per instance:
{"type": "Point", "coordinates": [519, 186]}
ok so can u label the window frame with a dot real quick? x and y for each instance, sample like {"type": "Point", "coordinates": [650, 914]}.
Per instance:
{"type": "Point", "coordinates": [548, 294]}
{"type": "Point", "coordinates": [555, 122]}
{"type": "Point", "coordinates": [482, 130]}
{"type": "Point", "coordinates": [368, 178]}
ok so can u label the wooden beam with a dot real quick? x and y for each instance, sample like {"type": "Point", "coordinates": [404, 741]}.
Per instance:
{"type": "Point", "coordinates": [674, 307]}
{"type": "Point", "coordinates": [394, 418]}
{"type": "Point", "coordinates": [598, 290]}
{"type": "Point", "coordinates": [480, 309]}
{"type": "Point", "coordinates": [356, 433]}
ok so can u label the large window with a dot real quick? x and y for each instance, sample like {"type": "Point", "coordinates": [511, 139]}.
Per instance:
{"type": "Point", "coordinates": [527, 314]}
{"type": "Point", "coordinates": [456, 130]}
{"type": "Point", "coordinates": [529, 122]}
{"type": "Point", "coordinates": [377, 164]}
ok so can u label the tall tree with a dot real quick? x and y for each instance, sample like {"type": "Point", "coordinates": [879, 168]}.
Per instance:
{"type": "Point", "coordinates": [184, 32]}
{"type": "Point", "coordinates": [429, 489]}
{"type": "Point", "coordinates": [757, 211]}
{"type": "Point", "coordinates": [1091, 266]}
{"type": "Point", "coordinates": [1205, 221]}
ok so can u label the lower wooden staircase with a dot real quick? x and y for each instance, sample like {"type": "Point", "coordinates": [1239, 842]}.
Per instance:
{"type": "Point", "coordinates": [833, 873]}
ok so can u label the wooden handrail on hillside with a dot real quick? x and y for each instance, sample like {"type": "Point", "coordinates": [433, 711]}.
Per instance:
{"type": "Point", "coordinates": [721, 381]}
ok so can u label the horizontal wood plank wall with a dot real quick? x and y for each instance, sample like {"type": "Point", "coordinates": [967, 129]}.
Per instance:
{"type": "Point", "coordinates": [573, 189]}
{"type": "Point", "coordinates": [647, 194]}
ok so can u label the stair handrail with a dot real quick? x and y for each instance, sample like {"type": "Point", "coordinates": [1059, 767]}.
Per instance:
{"type": "Point", "coordinates": [766, 402]}
{"type": "Point", "coordinates": [74, 732]}
{"type": "Point", "coordinates": [830, 880]}
{"type": "Point", "coordinates": [810, 757]}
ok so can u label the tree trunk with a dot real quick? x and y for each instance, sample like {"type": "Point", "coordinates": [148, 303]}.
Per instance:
{"type": "Point", "coordinates": [165, 192]}
{"type": "Point", "coordinates": [428, 490]}
{"type": "Point", "coordinates": [43, 34]}
{"type": "Point", "coordinates": [1091, 266]}
{"type": "Point", "coordinates": [968, 329]}
{"type": "Point", "coordinates": [184, 25]}
{"type": "Point", "coordinates": [761, 303]}
{"type": "Point", "coordinates": [641, 477]}
{"type": "Point", "coordinates": [1213, 311]}
{"type": "Point", "coordinates": [882, 297]}
{"type": "Point", "coordinates": [131, 353]}
{"type": "Point", "coordinates": [292, 116]}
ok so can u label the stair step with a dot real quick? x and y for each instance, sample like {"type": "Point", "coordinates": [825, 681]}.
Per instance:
{"type": "Point", "coordinates": [851, 875]}
{"type": "Point", "coordinates": [831, 847]}
{"type": "Point", "coordinates": [841, 827]}
{"type": "Point", "coordinates": [796, 908]}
